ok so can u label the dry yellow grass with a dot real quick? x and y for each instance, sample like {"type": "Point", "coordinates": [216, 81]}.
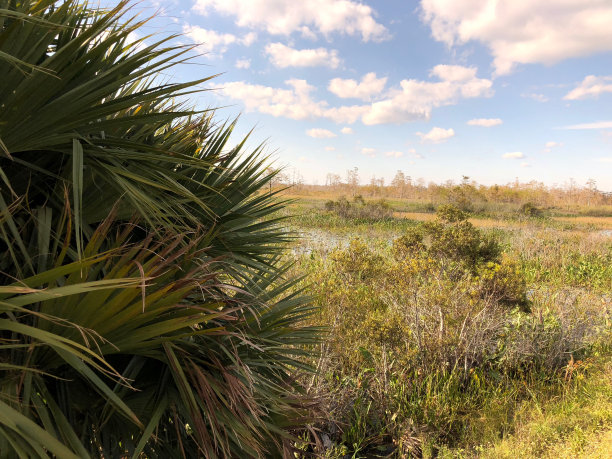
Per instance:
{"type": "Point", "coordinates": [478, 222]}
{"type": "Point", "coordinates": [421, 217]}
{"type": "Point", "coordinates": [578, 425]}
{"type": "Point", "coordinates": [599, 447]}
{"type": "Point", "coordinates": [598, 222]}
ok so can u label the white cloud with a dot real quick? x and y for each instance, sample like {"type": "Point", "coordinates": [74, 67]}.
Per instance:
{"type": "Point", "coordinates": [248, 39]}
{"type": "Point", "coordinates": [330, 148]}
{"type": "Point", "coordinates": [318, 133]}
{"type": "Point", "coordinates": [283, 56]}
{"type": "Point", "coordinates": [523, 31]}
{"type": "Point", "coordinates": [591, 86]}
{"type": "Point", "coordinates": [346, 130]}
{"type": "Point", "coordinates": [283, 17]}
{"type": "Point", "coordinates": [595, 125]}
{"type": "Point", "coordinates": [525, 164]}
{"type": "Point", "coordinates": [395, 110]}
{"type": "Point", "coordinates": [485, 122]}
{"type": "Point", "coordinates": [550, 145]}
{"type": "Point", "coordinates": [436, 135]}
{"type": "Point", "coordinates": [346, 114]}
{"type": "Point", "coordinates": [394, 154]}
{"type": "Point", "coordinates": [454, 72]}
{"type": "Point", "coordinates": [513, 155]}
{"type": "Point", "coordinates": [412, 152]}
{"type": "Point", "coordinates": [209, 40]}
{"type": "Point", "coordinates": [307, 33]}
{"type": "Point", "coordinates": [535, 96]}
{"type": "Point", "coordinates": [243, 63]}
{"type": "Point", "coordinates": [369, 86]}
{"type": "Point", "coordinates": [294, 103]}
{"type": "Point", "coordinates": [605, 160]}
{"type": "Point", "coordinates": [371, 152]}
{"type": "Point", "coordinates": [414, 100]}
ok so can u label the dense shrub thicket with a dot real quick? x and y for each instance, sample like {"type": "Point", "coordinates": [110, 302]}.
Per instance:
{"type": "Point", "coordinates": [528, 209]}
{"type": "Point", "coordinates": [360, 209]}
{"type": "Point", "coordinates": [428, 330]}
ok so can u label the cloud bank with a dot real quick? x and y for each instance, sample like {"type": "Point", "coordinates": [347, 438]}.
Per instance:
{"type": "Point", "coordinates": [523, 31]}
{"type": "Point", "coordinates": [284, 17]}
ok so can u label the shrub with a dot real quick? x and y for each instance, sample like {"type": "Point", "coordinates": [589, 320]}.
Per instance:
{"type": "Point", "coordinates": [412, 324]}
{"type": "Point", "coordinates": [450, 237]}
{"type": "Point", "coordinates": [544, 342]}
{"type": "Point", "coordinates": [358, 261]}
{"type": "Point", "coordinates": [593, 270]}
{"type": "Point", "coordinates": [464, 197]}
{"type": "Point", "coordinates": [431, 329]}
{"type": "Point", "coordinates": [503, 282]}
{"type": "Point", "coordinates": [529, 209]}
{"type": "Point", "coordinates": [360, 209]}
{"type": "Point", "coordinates": [451, 214]}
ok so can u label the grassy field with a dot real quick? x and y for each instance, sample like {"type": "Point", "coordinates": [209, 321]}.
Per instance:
{"type": "Point", "coordinates": [483, 335]}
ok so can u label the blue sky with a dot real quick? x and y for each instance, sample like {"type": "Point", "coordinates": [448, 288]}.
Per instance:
{"type": "Point", "coordinates": [496, 90]}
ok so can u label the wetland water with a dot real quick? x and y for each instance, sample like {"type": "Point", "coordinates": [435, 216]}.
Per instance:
{"type": "Point", "coordinates": [313, 239]}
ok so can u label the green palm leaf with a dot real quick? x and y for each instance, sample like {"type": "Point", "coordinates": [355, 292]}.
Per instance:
{"type": "Point", "coordinates": [143, 301]}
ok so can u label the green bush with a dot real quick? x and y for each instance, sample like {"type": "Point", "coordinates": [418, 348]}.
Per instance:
{"type": "Point", "coordinates": [451, 214]}
{"type": "Point", "coordinates": [529, 209]}
{"type": "Point", "coordinates": [504, 282]}
{"type": "Point", "coordinates": [594, 270]}
{"type": "Point", "coordinates": [427, 331]}
{"type": "Point", "coordinates": [358, 261]}
{"type": "Point", "coordinates": [465, 197]}
{"type": "Point", "coordinates": [451, 237]}
{"type": "Point", "coordinates": [360, 209]}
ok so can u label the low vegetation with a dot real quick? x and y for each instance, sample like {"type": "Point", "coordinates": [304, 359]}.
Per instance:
{"type": "Point", "coordinates": [359, 209]}
{"type": "Point", "coordinates": [439, 339]}
{"type": "Point", "coordinates": [530, 210]}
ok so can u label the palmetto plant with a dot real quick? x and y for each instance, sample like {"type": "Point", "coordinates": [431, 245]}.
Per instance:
{"type": "Point", "coordinates": [143, 306]}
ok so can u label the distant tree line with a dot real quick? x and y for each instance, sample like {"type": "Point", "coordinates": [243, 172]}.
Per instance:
{"type": "Point", "coordinates": [466, 193]}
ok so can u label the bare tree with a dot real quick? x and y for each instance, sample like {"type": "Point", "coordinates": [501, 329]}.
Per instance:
{"type": "Point", "coordinates": [399, 183]}
{"type": "Point", "coordinates": [352, 179]}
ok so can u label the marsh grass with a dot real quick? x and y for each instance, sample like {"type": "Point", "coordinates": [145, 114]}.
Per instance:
{"type": "Point", "coordinates": [573, 420]}
{"type": "Point", "coordinates": [417, 363]}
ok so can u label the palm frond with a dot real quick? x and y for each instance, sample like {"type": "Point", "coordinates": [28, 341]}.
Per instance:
{"type": "Point", "coordinates": [143, 301]}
